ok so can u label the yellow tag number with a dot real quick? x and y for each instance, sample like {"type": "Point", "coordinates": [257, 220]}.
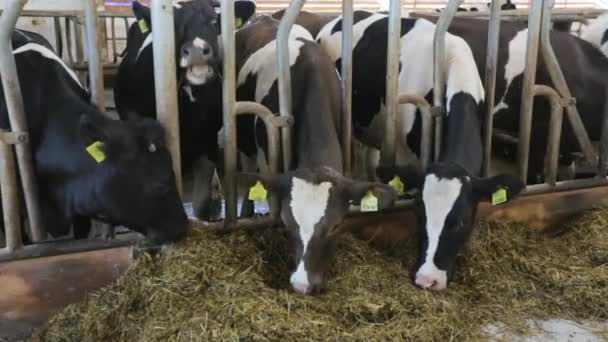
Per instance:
{"type": "Point", "coordinates": [500, 196]}
{"type": "Point", "coordinates": [258, 192]}
{"type": "Point", "coordinates": [238, 22]}
{"type": "Point", "coordinates": [143, 25]}
{"type": "Point", "coordinates": [369, 202]}
{"type": "Point", "coordinates": [397, 184]}
{"type": "Point", "coordinates": [96, 152]}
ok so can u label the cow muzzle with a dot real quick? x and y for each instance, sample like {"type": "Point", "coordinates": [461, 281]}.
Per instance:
{"type": "Point", "coordinates": [198, 61]}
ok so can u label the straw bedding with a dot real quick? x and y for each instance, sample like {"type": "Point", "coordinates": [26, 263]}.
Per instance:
{"type": "Point", "coordinates": [235, 287]}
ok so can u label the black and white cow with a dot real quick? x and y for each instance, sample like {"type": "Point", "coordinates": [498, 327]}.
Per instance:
{"type": "Point", "coordinates": [127, 179]}
{"type": "Point", "coordinates": [451, 188]}
{"type": "Point", "coordinates": [197, 29]}
{"type": "Point", "coordinates": [313, 22]}
{"type": "Point", "coordinates": [596, 33]}
{"type": "Point", "coordinates": [505, 5]}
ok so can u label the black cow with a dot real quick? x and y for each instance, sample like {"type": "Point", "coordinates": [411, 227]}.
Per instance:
{"type": "Point", "coordinates": [450, 188]}
{"type": "Point", "coordinates": [198, 59]}
{"type": "Point", "coordinates": [88, 166]}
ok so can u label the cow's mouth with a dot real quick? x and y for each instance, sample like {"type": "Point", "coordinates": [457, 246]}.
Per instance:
{"type": "Point", "coordinates": [199, 74]}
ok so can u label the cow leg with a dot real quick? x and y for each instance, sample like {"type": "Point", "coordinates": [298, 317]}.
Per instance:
{"type": "Point", "coordinates": [204, 205]}
{"type": "Point", "coordinates": [247, 206]}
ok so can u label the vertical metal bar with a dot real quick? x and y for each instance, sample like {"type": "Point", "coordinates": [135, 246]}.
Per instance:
{"type": "Point", "coordinates": [94, 55]}
{"type": "Point", "coordinates": [438, 66]}
{"type": "Point", "coordinates": [79, 47]}
{"type": "Point", "coordinates": [16, 112]}
{"type": "Point", "coordinates": [68, 39]}
{"type": "Point", "coordinates": [228, 100]}
{"type": "Point", "coordinates": [527, 95]}
{"type": "Point", "coordinates": [387, 152]}
{"type": "Point", "coordinates": [165, 82]}
{"type": "Point", "coordinates": [555, 131]}
{"type": "Point", "coordinates": [285, 103]}
{"type": "Point", "coordinates": [561, 86]}
{"type": "Point", "coordinates": [10, 197]}
{"type": "Point", "coordinates": [347, 82]}
{"type": "Point", "coordinates": [427, 125]}
{"type": "Point", "coordinates": [114, 53]}
{"type": "Point", "coordinates": [490, 82]}
{"type": "Point", "coordinates": [58, 38]}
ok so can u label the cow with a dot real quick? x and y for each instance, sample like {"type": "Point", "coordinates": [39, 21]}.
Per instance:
{"type": "Point", "coordinates": [199, 85]}
{"type": "Point", "coordinates": [505, 5]}
{"type": "Point", "coordinates": [87, 165]}
{"type": "Point", "coordinates": [310, 21]}
{"type": "Point", "coordinates": [449, 189]}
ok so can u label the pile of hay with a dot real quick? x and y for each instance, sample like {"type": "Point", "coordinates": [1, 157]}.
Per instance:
{"type": "Point", "coordinates": [225, 288]}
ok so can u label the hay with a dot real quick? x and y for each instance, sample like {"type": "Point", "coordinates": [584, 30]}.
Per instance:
{"type": "Point", "coordinates": [225, 288]}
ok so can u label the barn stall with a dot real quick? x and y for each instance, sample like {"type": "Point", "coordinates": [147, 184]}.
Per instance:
{"type": "Point", "coordinates": [43, 277]}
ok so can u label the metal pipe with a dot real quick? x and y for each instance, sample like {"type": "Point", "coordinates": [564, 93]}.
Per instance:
{"type": "Point", "coordinates": [285, 103]}
{"type": "Point", "coordinates": [560, 84]}
{"type": "Point", "coordinates": [16, 113]}
{"type": "Point", "coordinates": [114, 53]}
{"type": "Point", "coordinates": [555, 131]}
{"type": "Point", "coordinates": [427, 125]}
{"type": "Point", "coordinates": [273, 125]}
{"type": "Point", "coordinates": [347, 82]}
{"type": "Point", "coordinates": [527, 94]}
{"type": "Point", "coordinates": [93, 52]}
{"type": "Point", "coordinates": [58, 38]}
{"type": "Point", "coordinates": [490, 82]}
{"type": "Point", "coordinates": [10, 196]}
{"type": "Point", "coordinates": [165, 83]}
{"type": "Point", "coordinates": [387, 152]}
{"type": "Point", "coordinates": [576, 184]}
{"type": "Point", "coordinates": [68, 40]}
{"type": "Point", "coordinates": [228, 100]}
{"type": "Point", "coordinates": [438, 67]}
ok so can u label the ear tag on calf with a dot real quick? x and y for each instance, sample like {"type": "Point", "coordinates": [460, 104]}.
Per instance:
{"type": "Point", "coordinates": [499, 197]}
{"type": "Point", "coordinates": [143, 25]}
{"type": "Point", "coordinates": [397, 184]}
{"type": "Point", "coordinates": [258, 192]}
{"type": "Point", "coordinates": [238, 22]}
{"type": "Point", "coordinates": [96, 152]}
{"type": "Point", "coordinates": [369, 202]}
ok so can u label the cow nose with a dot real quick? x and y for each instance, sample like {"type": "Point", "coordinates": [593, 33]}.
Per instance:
{"type": "Point", "coordinates": [302, 288]}
{"type": "Point", "coordinates": [430, 282]}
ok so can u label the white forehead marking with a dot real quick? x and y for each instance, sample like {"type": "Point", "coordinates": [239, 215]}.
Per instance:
{"type": "Point", "coordinates": [308, 204]}
{"type": "Point", "coordinates": [516, 63]}
{"type": "Point", "coordinates": [199, 43]}
{"type": "Point", "coordinates": [45, 52]}
{"type": "Point", "coordinates": [178, 3]}
{"type": "Point", "coordinates": [147, 42]}
{"type": "Point", "coordinates": [263, 62]}
{"type": "Point", "coordinates": [439, 196]}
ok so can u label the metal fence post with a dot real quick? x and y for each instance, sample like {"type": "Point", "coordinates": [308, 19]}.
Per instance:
{"type": "Point", "coordinates": [165, 83]}
{"type": "Point", "coordinates": [285, 103]}
{"type": "Point", "coordinates": [10, 196]}
{"type": "Point", "coordinates": [490, 82]}
{"type": "Point", "coordinates": [347, 82]}
{"type": "Point", "coordinates": [16, 112]}
{"type": "Point", "coordinates": [95, 68]}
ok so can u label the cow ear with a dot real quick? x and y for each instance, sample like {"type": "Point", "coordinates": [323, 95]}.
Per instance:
{"type": "Point", "coordinates": [142, 14]}
{"type": "Point", "coordinates": [385, 194]}
{"type": "Point", "coordinates": [486, 188]}
{"type": "Point", "coordinates": [411, 176]}
{"type": "Point", "coordinates": [95, 127]}
{"type": "Point", "coordinates": [243, 10]}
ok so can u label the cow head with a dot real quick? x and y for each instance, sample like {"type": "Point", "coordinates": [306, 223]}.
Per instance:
{"type": "Point", "coordinates": [447, 202]}
{"type": "Point", "coordinates": [131, 180]}
{"type": "Point", "coordinates": [314, 203]}
{"type": "Point", "coordinates": [197, 30]}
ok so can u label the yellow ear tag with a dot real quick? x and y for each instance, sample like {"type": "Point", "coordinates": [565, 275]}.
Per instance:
{"type": "Point", "coordinates": [397, 184]}
{"type": "Point", "coordinates": [238, 22]}
{"type": "Point", "coordinates": [96, 152]}
{"type": "Point", "coordinates": [258, 192]}
{"type": "Point", "coordinates": [369, 202]}
{"type": "Point", "coordinates": [143, 25]}
{"type": "Point", "coordinates": [500, 196]}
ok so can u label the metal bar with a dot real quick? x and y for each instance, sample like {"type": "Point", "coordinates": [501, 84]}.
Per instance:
{"type": "Point", "coordinates": [114, 53]}
{"type": "Point", "coordinates": [16, 112]}
{"type": "Point", "coordinates": [576, 184]}
{"type": "Point", "coordinates": [93, 52]}
{"type": "Point", "coordinates": [58, 38]}
{"type": "Point", "coordinates": [273, 125]}
{"type": "Point", "coordinates": [10, 197]}
{"type": "Point", "coordinates": [580, 14]}
{"type": "Point", "coordinates": [52, 248]}
{"type": "Point", "coordinates": [347, 82]}
{"type": "Point", "coordinates": [560, 84]}
{"type": "Point", "coordinates": [68, 40]}
{"type": "Point", "coordinates": [490, 82]}
{"type": "Point", "coordinates": [555, 131]}
{"type": "Point", "coordinates": [527, 94]}
{"type": "Point", "coordinates": [438, 67]}
{"type": "Point", "coordinates": [427, 125]}
{"type": "Point", "coordinates": [229, 98]}
{"type": "Point", "coordinates": [79, 48]}
{"type": "Point", "coordinates": [165, 83]}
{"type": "Point", "coordinates": [285, 103]}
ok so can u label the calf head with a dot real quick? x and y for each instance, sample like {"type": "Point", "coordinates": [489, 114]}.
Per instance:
{"type": "Point", "coordinates": [447, 203]}
{"type": "Point", "coordinates": [314, 203]}
{"type": "Point", "coordinates": [130, 180]}
{"type": "Point", "coordinates": [197, 30]}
